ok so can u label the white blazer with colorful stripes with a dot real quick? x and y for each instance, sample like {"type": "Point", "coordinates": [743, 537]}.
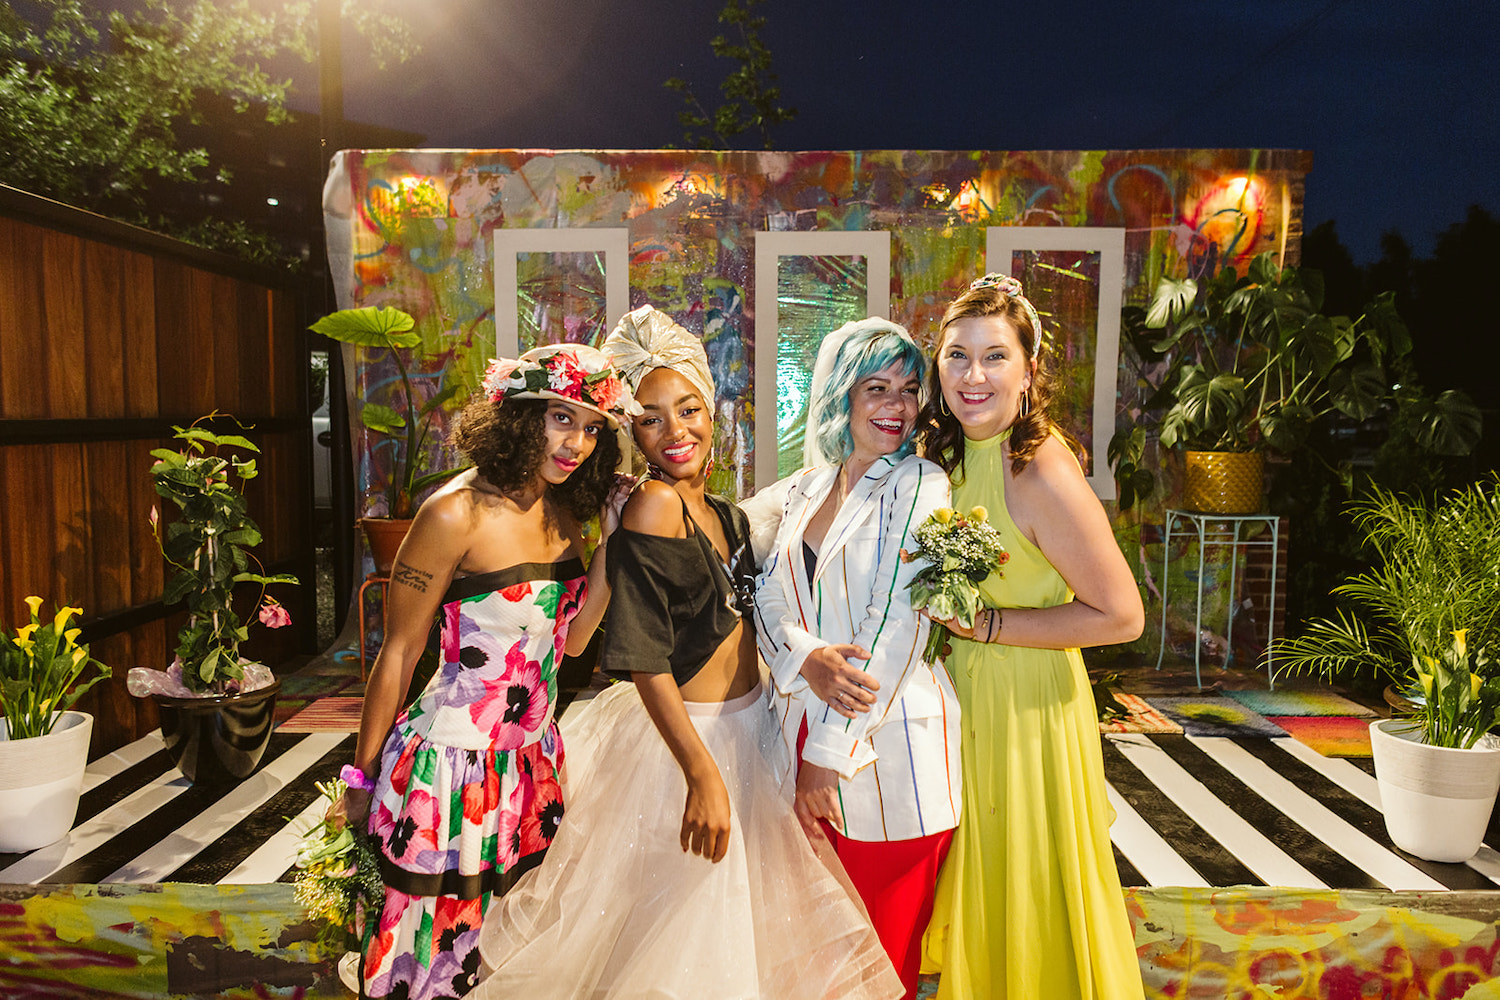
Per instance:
{"type": "Point", "coordinates": [899, 762]}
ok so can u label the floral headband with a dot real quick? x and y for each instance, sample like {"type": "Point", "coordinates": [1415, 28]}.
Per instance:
{"type": "Point", "coordinates": [1010, 286]}
{"type": "Point", "coordinates": [571, 373]}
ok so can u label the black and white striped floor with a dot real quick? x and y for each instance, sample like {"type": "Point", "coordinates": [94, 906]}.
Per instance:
{"type": "Point", "coordinates": [1192, 811]}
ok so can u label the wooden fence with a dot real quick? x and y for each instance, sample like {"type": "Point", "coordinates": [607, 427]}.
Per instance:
{"type": "Point", "coordinates": [110, 335]}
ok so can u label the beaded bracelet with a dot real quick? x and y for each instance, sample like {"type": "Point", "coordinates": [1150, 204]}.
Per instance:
{"type": "Point", "coordinates": [355, 778]}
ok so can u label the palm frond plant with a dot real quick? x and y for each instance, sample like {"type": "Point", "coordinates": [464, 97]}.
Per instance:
{"type": "Point", "coordinates": [1424, 616]}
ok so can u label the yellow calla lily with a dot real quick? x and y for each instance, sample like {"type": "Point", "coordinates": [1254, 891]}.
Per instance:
{"type": "Point", "coordinates": [1425, 680]}
{"type": "Point", "coordinates": [62, 616]}
{"type": "Point", "coordinates": [1460, 645]}
{"type": "Point", "coordinates": [72, 634]}
{"type": "Point", "coordinates": [1475, 683]}
{"type": "Point", "coordinates": [35, 604]}
{"type": "Point", "coordinates": [23, 636]}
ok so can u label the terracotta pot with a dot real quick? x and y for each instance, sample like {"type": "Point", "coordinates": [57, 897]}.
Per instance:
{"type": "Point", "coordinates": [1224, 482]}
{"type": "Point", "coordinates": [40, 781]}
{"type": "Point", "coordinates": [385, 535]}
{"type": "Point", "coordinates": [219, 739]}
{"type": "Point", "coordinates": [1436, 800]}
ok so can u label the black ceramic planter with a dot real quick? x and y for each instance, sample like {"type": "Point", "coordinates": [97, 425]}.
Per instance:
{"type": "Point", "coordinates": [218, 740]}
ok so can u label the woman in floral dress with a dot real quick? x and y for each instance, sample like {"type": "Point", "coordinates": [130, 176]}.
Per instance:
{"type": "Point", "coordinates": [462, 788]}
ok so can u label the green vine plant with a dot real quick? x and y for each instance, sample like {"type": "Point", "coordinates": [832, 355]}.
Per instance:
{"type": "Point", "coordinates": [209, 547]}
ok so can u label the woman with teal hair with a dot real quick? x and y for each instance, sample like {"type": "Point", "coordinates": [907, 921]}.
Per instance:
{"type": "Point", "coordinates": [872, 727]}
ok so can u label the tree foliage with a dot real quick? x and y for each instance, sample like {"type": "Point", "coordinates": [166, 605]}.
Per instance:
{"type": "Point", "coordinates": [752, 99]}
{"type": "Point", "coordinates": [91, 98]}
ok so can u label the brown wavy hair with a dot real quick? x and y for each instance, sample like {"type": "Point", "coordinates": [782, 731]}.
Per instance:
{"type": "Point", "coordinates": [507, 444]}
{"type": "Point", "coordinates": [942, 436]}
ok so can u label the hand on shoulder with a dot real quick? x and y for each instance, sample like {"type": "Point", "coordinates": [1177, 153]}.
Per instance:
{"type": "Point", "coordinates": [654, 509]}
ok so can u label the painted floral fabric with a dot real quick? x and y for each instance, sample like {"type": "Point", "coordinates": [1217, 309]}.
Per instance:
{"type": "Point", "coordinates": [468, 797]}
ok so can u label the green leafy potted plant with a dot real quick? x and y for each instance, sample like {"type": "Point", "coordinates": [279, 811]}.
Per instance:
{"type": "Point", "coordinates": [43, 743]}
{"type": "Point", "coordinates": [1235, 366]}
{"type": "Point", "coordinates": [1426, 616]}
{"type": "Point", "coordinates": [215, 706]}
{"type": "Point", "coordinates": [392, 330]}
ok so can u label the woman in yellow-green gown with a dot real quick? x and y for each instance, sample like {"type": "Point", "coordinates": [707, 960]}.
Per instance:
{"type": "Point", "coordinates": [1029, 902]}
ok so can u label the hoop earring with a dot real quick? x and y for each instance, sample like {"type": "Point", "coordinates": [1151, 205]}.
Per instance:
{"type": "Point", "coordinates": [1025, 404]}
{"type": "Point", "coordinates": [943, 405]}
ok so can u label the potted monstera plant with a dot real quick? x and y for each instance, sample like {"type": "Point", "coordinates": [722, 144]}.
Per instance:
{"type": "Point", "coordinates": [216, 707]}
{"type": "Point", "coordinates": [1425, 619]}
{"type": "Point", "coordinates": [402, 418]}
{"type": "Point", "coordinates": [44, 745]}
{"type": "Point", "coordinates": [1235, 366]}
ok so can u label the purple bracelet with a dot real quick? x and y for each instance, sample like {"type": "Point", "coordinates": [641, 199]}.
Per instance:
{"type": "Point", "coordinates": [355, 778]}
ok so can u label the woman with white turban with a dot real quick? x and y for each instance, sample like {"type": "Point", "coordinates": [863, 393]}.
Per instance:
{"type": "Point", "coordinates": [681, 870]}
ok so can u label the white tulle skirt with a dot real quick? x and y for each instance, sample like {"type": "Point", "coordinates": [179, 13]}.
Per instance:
{"type": "Point", "coordinates": [617, 909]}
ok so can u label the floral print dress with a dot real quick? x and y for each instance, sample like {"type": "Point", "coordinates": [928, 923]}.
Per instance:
{"type": "Point", "coordinates": [468, 796]}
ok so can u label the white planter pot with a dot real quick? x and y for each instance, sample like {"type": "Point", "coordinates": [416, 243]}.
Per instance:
{"type": "Point", "coordinates": [1436, 800]}
{"type": "Point", "coordinates": [40, 781]}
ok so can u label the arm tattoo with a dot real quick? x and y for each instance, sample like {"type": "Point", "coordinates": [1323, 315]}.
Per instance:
{"type": "Point", "coordinates": [412, 577]}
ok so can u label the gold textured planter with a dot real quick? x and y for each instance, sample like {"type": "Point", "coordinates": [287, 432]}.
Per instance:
{"type": "Point", "coordinates": [1224, 482]}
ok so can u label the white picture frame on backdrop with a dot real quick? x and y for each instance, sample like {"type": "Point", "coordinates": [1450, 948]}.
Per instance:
{"type": "Point", "coordinates": [1000, 246]}
{"type": "Point", "coordinates": [873, 245]}
{"type": "Point", "coordinates": [613, 243]}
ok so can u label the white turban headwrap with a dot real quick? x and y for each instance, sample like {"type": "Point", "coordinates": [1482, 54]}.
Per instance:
{"type": "Point", "coordinates": [646, 339]}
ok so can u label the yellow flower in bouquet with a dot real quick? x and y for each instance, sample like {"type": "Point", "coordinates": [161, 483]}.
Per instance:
{"type": "Point", "coordinates": [338, 874]}
{"type": "Point", "coordinates": [960, 550]}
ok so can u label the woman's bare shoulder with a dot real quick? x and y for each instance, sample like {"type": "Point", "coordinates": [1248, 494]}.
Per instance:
{"type": "Point", "coordinates": [654, 509]}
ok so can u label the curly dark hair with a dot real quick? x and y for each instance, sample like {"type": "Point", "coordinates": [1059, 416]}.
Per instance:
{"type": "Point", "coordinates": [942, 436]}
{"type": "Point", "coordinates": [507, 445]}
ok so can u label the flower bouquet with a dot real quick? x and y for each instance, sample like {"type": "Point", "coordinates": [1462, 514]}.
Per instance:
{"type": "Point", "coordinates": [338, 874]}
{"type": "Point", "coordinates": [961, 550]}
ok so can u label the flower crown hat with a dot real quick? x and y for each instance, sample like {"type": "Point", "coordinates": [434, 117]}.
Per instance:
{"type": "Point", "coordinates": [570, 373]}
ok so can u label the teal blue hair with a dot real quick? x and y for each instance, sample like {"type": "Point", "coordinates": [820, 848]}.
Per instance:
{"type": "Point", "coordinates": [868, 346]}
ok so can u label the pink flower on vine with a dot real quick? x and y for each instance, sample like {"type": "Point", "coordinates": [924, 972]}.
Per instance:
{"type": "Point", "coordinates": [273, 615]}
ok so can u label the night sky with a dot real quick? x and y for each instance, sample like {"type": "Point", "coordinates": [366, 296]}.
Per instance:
{"type": "Point", "coordinates": [1396, 100]}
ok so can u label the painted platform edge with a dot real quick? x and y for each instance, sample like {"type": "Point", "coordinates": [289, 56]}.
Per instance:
{"type": "Point", "coordinates": [244, 941]}
{"type": "Point", "coordinates": [161, 940]}
{"type": "Point", "coordinates": [1340, 944]}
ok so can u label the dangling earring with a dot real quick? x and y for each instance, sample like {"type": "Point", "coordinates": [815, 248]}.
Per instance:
{"type": "Point", "coordinates": [1025, 404]}
{"type": "Point", "coordinates": [943, 405]}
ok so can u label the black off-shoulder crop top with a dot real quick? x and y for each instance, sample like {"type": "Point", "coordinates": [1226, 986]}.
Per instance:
{"type": "Point", "coordinates": [673, 601]}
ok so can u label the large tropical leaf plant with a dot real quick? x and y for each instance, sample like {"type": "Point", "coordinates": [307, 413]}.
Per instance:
{"type": "Point", "coordinates": [1249, 362]}
{"type": "Point", "coordinates": [391, 329]}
